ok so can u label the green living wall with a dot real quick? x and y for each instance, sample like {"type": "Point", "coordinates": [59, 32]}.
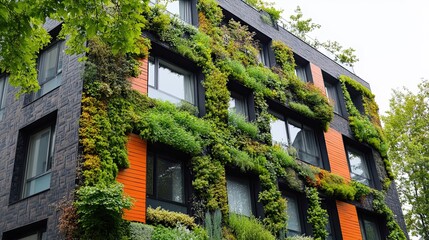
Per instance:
{"type": "Point", "coordinates": [225, 52]}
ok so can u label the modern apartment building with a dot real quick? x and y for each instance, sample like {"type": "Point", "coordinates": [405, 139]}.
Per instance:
{"type": "Point", "coordinates": [41, 153]}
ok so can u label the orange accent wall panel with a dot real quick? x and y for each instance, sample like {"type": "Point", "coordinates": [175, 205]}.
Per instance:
{"type": "Point", "coordinates": [134, 178]}
{"type": "Point", "coordinates": [349, 221]}
{"type": "Point", "coordinates": [316, 73]}
{"type": "Point", "coordinates": [336, 153]}
{"type": "Point", "coordinates": [139, 83]}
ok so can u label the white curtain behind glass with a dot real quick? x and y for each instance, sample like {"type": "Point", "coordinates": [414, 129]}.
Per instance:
{"type": "Point", "coordinates": [293, 223]}
{"type": "Point", "coordinates": [301, 73]}
{"type": "Point", "coordinates": [278, 132]}
{"type": "Point", "coordinates": [239, 200]}
{"type": "Point", "coordinates": [185, 11]}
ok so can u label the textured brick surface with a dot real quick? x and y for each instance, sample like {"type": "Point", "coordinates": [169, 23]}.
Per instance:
{"type": "Point", "coordinates": [66, 100]}
{"type": "Point", "coordinates": [336, 153]}
{"type": "Point", "coordinates": [134, 178]}
{"type": "Point", "coordinates": [349, 221]}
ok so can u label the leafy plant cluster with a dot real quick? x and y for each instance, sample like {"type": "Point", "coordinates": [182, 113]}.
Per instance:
{"type": "Point", "coordinates": [111, 110]}
{"type": "Point", "coordinates": [366, 127]}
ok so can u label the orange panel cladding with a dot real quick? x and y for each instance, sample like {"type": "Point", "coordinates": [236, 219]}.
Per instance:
{"type": "Point", "coordinates": [349, 221]}
{"type": "Point", "coordinates": [139, 83]}
{"type": "Point", "coordinates": [317, 76]}
{"type": "Point", "coordinates": [134, 178]}
{"type": "Point", "coordinates": [336, 153]}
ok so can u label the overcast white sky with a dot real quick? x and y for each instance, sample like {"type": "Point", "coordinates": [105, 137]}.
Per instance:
{"type": "Point", "coordinates": [391, 38]}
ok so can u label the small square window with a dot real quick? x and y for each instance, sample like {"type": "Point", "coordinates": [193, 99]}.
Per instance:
{"type": "Point", "coordinates": [39, 162]}
{"type": "Point", "coordinates": [369, 228]}
{"type": "Point", "coordinates": [359, 166]}
{"type": "Point", "coordinates": [238, 104]}
{"type": "Point", "coordinates": [50, 68]}
{"type": "Point", "coordinates": [239, 196]}
{"type": "Point", "coordinates": [166, 181]}
{"type": "Point", "coordinates": [287, 132]}
{"type": "Point", "coordinates": [171, 83]}
{"type": "Point", "coordinates": [294, 227]}
{"type": "Point", "coordinates": [3, 92]}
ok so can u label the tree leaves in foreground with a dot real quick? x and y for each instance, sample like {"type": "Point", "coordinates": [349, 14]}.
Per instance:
{"type": "Point", "coordinates": [22, 36]}
{"type": "Point", "coordinates": [407, 129]}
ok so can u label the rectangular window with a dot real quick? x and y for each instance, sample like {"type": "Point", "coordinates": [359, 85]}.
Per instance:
{"type": "Point", "coordinates": [294, 227]}
{"type": "Point", "coordinates": [180, 8]}
{"type": "Point", "coordinates": [239, 196]}
{"type": "Point", "coordinates": [263, 57]}
{"type": "Point", "coordinates": [359, 169]}
{"type": "Point", "coordinates": [166, 181]}
{"type": "Point", "coordinates": [303, 138]}
{"type": "Point", "coordinates": [171, 83]}
{"type": "Point", "coordinates": [369, 228]}
{"type": "Point", "coordinates": [39, 161]}
{"type": "Point", "coordinates": [332, 94]}
{"type": "Point", "coordinates": [3, 92]}
{"type": "Point", "coordinates": [50, 68]}
{"type": "Point", "coordinates": [238, 104]}
{"type": "Point", "coordinates": [34, 231]}
{"type": "Point", "coordinates": [301, 73]}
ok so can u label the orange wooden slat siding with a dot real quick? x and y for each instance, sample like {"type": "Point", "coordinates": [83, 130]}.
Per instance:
{"type": "Point", "coordinates": [349, 221]}
{"type": "Point", "coordinates": [140, 82]}
{"type": "Point", "coordinates": [134, 178]}
{"type": "Point", "coordinates": [316, 74]}
{"type": "Point", "coordinates": [337, 153]}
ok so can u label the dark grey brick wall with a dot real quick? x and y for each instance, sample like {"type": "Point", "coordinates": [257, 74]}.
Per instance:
{"type": "Point", "coordinates": [66, 100]}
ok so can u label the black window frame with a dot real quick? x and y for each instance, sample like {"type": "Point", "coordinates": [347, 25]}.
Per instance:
{"type": "Point", "coordinates": [194, 11]}
{"type": "Point", "coordinates": [335, 84]}
{"type": "Point", "coordinates": [370, 216]}
{"type": "Point", "coordinates": [366, 151]}
{"type": "Point", "coordinates": [162, 150]}
{"type": "Point", "coordinates": [162, 51]}
{"type": "Point", "coordinates": [264, 52]}
{"type": "Point", "coordinates": [28, 230]}
{"type": "Point", "coordinates": [286, 115]}
{"type": "Point", "coordinates": [21, 156]}
{"type": "Point", "coordinates": [238, 89]}
{"type": "Point", "coordinates": [301, 63]}
{"type": "Point", "coordinates": [333, 218]}
{"type": "Point", "coordinates": [302, 211]}
{"type": "Point", "coordinates": [60, 44]}
{"type": "Point", "coordinates": [3, 95]}
{"type": "Point", "coordinates": [255, 189]}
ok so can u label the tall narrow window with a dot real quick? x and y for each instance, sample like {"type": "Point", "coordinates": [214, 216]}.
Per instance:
{"type": "Point", "coordinates": [39, 162]}
{"type": "Point", "coordinates": [332, 94]}
{"type": "Point", "coordinates": [238, 104]}
{"type": "Point", "coordinates": [369, 228]}
{"type": "Point", "coordinates": [166, 181]}
{"type": "Point", "coordinates": [3, 91]}
{"type": "Point", "coordinates": [50, 68]}
{"type": "Point", "coordinates": [239, 196]}
{"type": "Point", "coordinates": [301, 137]}
{"type": "Point", "coordinates": [359, 169]}
{"type": "Point", "coordinates": [263, 55]}
{"type": "Point", "coordinates": [171, 83]}
{"type": "Point", "coordinates": [294, 220]}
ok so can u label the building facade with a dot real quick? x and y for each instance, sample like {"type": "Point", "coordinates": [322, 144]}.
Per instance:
{"type": "Point", "coordinates": [41, 152]}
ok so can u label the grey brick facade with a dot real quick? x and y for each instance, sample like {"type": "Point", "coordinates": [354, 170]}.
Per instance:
{"type": "Point", "coordinates": [66, 101]}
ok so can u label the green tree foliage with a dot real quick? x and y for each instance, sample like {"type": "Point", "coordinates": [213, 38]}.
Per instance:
{"type": "Point", "coordinates": [301, 27]}
{"type": "Point", "coordinates": [116, 22]}
{"type": "Point", "coordinates": [407, 128]}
